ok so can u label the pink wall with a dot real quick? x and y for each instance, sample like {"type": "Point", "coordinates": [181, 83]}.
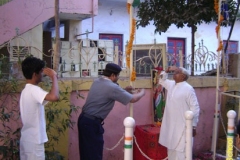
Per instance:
{"type": "Point", "coordinates": [26, 14]}
{"type": "Point", "coordinates": [143, 114]}
{"type": "Point", "coordinates": [206, 99]}
{"type": "Point", "coordinates": [114, 128]}
{"type": "Point", "coordinates": [79, 6]}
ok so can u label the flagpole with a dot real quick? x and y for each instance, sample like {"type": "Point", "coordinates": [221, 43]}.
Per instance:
{"type": "Point", "coordinates": [217, 105]}
{"type": "Point", "coordinates": [131, 55]}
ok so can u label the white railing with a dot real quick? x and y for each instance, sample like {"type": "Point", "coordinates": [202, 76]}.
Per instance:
{"type": "Point", "coordinates": [204, 60]}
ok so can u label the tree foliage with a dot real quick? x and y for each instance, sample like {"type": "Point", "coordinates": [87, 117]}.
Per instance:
{"type": "Point", "coordinates": [190, 13]}
{"type": "Point", "coordinates": [164, 13]}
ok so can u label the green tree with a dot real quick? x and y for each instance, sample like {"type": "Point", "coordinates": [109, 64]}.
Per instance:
{"type": "Point", "coordinates": [181, 13]}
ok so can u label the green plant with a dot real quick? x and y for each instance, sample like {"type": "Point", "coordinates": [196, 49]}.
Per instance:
{"type": "Point", "coordinates": [232, 103]}
{"type": "Point", "coordinates": [9, 113]}
{"type": "Point", "coordinates": [58, 116]}
{"type": "Point", "coordinates": [2, 2]}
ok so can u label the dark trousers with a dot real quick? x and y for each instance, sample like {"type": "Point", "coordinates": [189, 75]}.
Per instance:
{"type": "Point", "coordinates": [90, 137]}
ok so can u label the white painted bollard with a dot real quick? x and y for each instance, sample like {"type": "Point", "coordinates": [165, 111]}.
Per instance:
{"type": "Point", "coordinates": [129, 124]}
{"type": "Point", "coordinates": [189, 135]}
{"type": "Point", "coordinates": [230, 134]}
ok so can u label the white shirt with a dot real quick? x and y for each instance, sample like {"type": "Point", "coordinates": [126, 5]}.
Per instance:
{"type": "Point", "coordinates": [181, 97]}
{"type": "Point", "coordinates": [33, 114]}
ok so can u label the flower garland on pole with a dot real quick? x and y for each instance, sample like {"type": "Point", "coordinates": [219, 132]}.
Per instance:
{"type": "Point", "coordinates": [129, 54]}
{"type": "Point", "coordinates": [130, 43]}
{"type": "Point", "coordinates": [217, 6]}
{"type": "Point", "coordinates": [221, 16]}
{"type": "Point", "coordinates": [220, 20]}
{"type": "Point", "coordinates": [129, 58]}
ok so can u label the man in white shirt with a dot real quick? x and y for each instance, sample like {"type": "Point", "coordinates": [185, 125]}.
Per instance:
{"type": "Point", "coordinates": [181, 97]}
{"type": "Point", "coordinates": [32, 101]}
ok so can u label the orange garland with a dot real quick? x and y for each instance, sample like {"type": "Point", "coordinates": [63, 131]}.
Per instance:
{"type": "Point", "coordinates": [130, 43]}
{"type": "Point", "coordinates": [216, 8]}
{"type": "Point", "coordinates": [220, 46]}
{"type": "Point", "coordinates": [128, 7]}
{"type": "Point", "coordinates": [219, 23]}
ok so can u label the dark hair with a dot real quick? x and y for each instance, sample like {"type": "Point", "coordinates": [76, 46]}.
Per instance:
{"type": "Point", "coordinates": [32, 65]}
{"type": "Point", "coordinates": [109, 73]}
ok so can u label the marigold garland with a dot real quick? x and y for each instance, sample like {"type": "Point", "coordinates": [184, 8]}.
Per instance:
{"type": "Point", "coordinates": [216, 8]}
{"type": "Point", "coordinates": [220, 46]}
{"type": "Point", "coordinates": [217, 29]}
{"type": "Point", "coordinates": [219, 24]}
{"type": "Point", "coordinates": [128, 7]}
{"type": "Point", "coordinates": [130, 43]}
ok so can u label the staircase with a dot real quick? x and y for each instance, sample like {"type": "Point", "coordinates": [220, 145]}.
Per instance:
{"type": "Point", "coordinates": [20, 16]}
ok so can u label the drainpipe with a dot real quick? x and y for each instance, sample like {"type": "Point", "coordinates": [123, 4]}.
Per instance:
{"type": "Point", "coordinates": [92, 23]}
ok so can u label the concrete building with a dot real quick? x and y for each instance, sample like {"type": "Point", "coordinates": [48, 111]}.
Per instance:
{"type": "Point", "coordinates": [108, 19]}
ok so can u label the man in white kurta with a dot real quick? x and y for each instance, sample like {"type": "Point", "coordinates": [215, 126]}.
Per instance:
{"type": "Point", "coordinates": [181, 97]}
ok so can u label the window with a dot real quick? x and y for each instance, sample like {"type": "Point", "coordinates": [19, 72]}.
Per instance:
{"type": "Point", "coordinates": [61, 31]}
{"type": "Point", "coordinates": [232, 46]}
{"type": "Point", "coordinates": [148, 56]}
{"type": "Point", "coordinates": [18, 52]}
{"type": "Point", "coordinates": [174, 45]}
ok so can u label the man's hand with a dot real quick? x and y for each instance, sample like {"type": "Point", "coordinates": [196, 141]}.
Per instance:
{"type": "Point", "coordinates": [142, 91]}
{"type": "Point", "coordinates": [49, 72]}
{"type": "Point", "coordinates": [129, 89]}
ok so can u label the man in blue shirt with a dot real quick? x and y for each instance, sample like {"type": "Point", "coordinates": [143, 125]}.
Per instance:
{"type": "Point", "coordinates": [100, 101]}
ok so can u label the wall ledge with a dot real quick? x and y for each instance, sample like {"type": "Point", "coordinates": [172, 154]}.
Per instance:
{"type": "Point", "coordinates": [77, 84]}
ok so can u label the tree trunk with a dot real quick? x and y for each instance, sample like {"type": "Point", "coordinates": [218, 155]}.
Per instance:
{"type": "Point", "coordinates": [193, 28]}
{"type": "Point", "coordinates": [56, 56]}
